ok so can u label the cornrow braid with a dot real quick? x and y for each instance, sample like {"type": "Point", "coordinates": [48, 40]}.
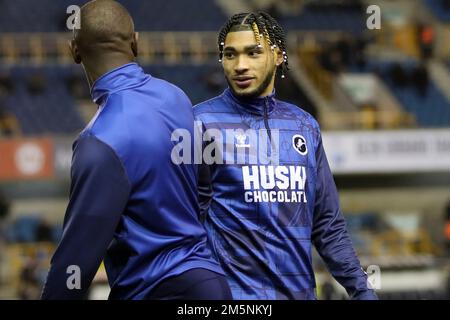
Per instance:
{"type": "Point", "coordinates": [257, 34]}
{"type": "Point", "coordinates": [263, 26]}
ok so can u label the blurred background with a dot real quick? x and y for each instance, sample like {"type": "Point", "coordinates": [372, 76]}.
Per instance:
{"type": "Point", "coordinates": [382, 97]}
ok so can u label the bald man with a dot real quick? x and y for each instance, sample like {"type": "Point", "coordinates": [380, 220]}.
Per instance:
{"type": "Point", "coordinates": [129, 203]}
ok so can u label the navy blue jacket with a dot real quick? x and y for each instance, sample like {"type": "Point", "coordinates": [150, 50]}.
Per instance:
{"type": "Point", "coordinates": [262, 217]}
{"type": "Point", "coordinates": [129, 203]}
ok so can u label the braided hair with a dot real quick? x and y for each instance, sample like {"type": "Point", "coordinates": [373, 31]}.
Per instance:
{"type": "Point", "coordinates": [264, 27]}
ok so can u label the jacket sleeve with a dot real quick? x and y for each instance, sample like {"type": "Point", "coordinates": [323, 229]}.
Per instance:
{"type": "Point", "coordinates": [205, 190]}
{"type": "Point", "coordinates": [330, 236]}
{"type": "Point", "coordinates": [98, 196]}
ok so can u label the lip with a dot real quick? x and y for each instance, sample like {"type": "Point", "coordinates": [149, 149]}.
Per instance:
{"type": "Point", "coordinates": [243, 81]}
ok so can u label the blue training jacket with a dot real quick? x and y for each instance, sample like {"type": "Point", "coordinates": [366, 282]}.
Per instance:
{"type": "Point", "coordinates": [129, 204]}
{"type": "Point", "coordinates": [262, 216]}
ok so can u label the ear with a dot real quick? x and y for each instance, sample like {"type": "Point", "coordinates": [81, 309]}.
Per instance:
{"type": "Point", "coordinates": [134, 44]}
{"type": "Point", "coordinates": [74, 51]}
{"type": "Point", "coordinates": [278, 56]}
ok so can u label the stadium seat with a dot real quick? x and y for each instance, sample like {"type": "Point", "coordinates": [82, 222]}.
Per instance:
{"type": "Point", "coordinates": [431, 109]}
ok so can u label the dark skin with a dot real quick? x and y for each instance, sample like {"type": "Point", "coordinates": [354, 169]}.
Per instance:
{"type": "Point", "coordinates": [106, 39]}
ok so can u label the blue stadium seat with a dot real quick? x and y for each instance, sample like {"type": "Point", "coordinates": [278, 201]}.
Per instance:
{"type": "Point", "coordinates": [24, 229]}
{"type": "Point", "coordinates": [344, 19]}
{"type": "Point", "coordinates": [54, 111]}
{"type": "Point", "coordinates": [51, 111]}
{"type": "Point", "coordinates": [432, 109]}
{"type": "Point", "coordinates": [191, 78]}
{"type": "Point", "coordinates": [439, 9]}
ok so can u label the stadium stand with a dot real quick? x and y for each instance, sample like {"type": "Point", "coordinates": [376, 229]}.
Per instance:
{"type": "Point", "coordinates": [317, 17]}
{"type": "Point", "coordinates": [409, 82]}
{"type": "Point", "coordinates": [41, 100]}
{"type": "Point", "coordinates": [155, 15]}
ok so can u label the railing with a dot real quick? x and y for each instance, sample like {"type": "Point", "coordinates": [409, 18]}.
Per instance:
{"type": "Point", "coordinates": [393, 243]}
{"type": "Point", "coordinates": [367, 120]}
{"type": "Point", "coordinates": [321, 78]}
{"type": "Point", "coordinates": [167, 47]}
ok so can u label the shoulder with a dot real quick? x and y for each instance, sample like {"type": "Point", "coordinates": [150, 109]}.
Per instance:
{"type": "Point", "coordinates": [95, 164]}
{"type": "Point", "coordinates": [91, 152]}
{"type": "Point", "coordinates": [300, 115]}
{"type": "Point", "coordinates": [108, 130]}
{"type": "Point", "coordinates": [216, 104]}
{"type": "Point", "coordinates": [169, 90]}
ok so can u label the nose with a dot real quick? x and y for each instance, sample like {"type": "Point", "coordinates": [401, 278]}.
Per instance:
{"type": "Point", "coordinates": [241, 65]}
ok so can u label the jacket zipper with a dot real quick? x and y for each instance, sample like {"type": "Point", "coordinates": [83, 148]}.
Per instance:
{"type": "Point", "coordinates": [266, 124]}
{"type": "Point", "coordinates": [266, 121]}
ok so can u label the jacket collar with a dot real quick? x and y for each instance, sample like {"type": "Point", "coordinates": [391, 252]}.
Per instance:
{"type": "Point", "coordinates": [126, 76]}
{"type": "Point", "coordinates": [258, 106]}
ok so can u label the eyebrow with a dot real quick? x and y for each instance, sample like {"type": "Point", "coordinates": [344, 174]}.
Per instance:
{"type": "Point", "coordinates": [246, 48]}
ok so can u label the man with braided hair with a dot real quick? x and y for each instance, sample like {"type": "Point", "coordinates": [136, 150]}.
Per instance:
{"type": "Point", "coordinates": [263, 215]}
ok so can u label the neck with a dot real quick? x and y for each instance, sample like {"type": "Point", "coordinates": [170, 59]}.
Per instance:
{"type": "Point", "coordinates": [95, 68]}
{"type": "Point", "coordinates": [268, 90]}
